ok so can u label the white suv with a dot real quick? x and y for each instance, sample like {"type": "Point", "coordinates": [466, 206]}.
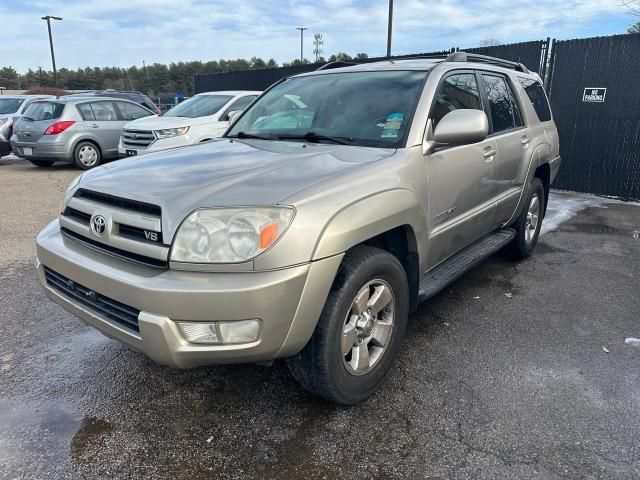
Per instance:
{"type": "Point", "coordinates": [200, 118]}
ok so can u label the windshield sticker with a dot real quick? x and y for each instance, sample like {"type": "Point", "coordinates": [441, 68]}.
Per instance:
{"type": "Point", "coordinates": [391, 133]}
{"type": "Point", "coordinates": [395, 117]}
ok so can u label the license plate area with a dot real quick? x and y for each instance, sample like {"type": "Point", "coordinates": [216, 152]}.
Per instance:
{"type": "Point", "coordinates": [27, 151]}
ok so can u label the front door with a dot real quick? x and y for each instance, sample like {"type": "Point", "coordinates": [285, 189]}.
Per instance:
{"type": "Point", "coordinates": [461, 185]}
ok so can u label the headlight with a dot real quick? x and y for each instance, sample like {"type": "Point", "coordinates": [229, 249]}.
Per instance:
{"type": "Point", "coordinates": [74, 183]}
{"type": "Point", "coordinates": [171, 132]}
{"type": "Point", "coordinates": [229, 235]}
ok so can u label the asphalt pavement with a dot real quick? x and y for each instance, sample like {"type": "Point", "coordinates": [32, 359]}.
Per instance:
{"type": "Point", "coordinates": [516, 371]}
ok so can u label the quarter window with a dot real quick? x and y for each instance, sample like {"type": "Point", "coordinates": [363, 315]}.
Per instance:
{"type": "Point", "coordinates": [456, 92]}
{"type": "Point", "coordinates": [535, 92]}
{"type": "Point", "coordinates": [505, 114]}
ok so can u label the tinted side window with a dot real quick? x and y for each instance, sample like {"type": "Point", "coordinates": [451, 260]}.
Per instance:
{"type": "Point", "coordinates": [104, 111]}
{"type": "Point", "coordinates": [456, 91]}
{"type": "Point", "coordinates": [504, 109]}
{"type": "Point", "coordinates": [86, 112]}
{"type": "Point", "coordinates": [535, 92]}
{"type": "Point", "coordinates": [130, 111]}
{"type": "Point", "coordinates": [240, 104]}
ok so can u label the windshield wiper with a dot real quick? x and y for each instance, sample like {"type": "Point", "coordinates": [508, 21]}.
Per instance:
{"type": "Point", "coordinates": [318, 137]}
{"type": "Point", "coordinates": [261, 136]}
{"type": "Point", "coordinates": [28, 118]}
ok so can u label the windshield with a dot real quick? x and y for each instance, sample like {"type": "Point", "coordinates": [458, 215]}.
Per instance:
{"type": "Point", "coordinates": [43, 111]}
{"type": "Point", "coordinates": [199, 106]}
{"type": "Point", "coordinates": [357, 108]}
{"type": "Point", "coordinates": [10, 105]}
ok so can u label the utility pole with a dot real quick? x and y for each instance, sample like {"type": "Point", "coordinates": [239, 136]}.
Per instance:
{"type": "Point", "coordinates": [144, 77]}
{"type": "Point", "coordinates": [302, 29]}
{"type": "Point", "coordinates": [389, 28]}
{"type": "Point", "coordinates": [48, 18]}
{"type": "Point", "coordinates": [317, 45]}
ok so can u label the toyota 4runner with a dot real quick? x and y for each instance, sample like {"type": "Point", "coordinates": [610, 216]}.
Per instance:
{"type": "Point", "coordinates": [334, 205]}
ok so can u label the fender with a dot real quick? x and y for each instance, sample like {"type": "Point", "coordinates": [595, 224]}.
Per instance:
{"type": "Point", "coordinates": [369, 217]}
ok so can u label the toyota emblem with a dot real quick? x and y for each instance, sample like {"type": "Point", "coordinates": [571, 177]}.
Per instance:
{"type": "Point", "coordinates": [98, 225]}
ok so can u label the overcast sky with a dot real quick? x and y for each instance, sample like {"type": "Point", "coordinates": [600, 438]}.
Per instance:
{"type": "Point", "coordinates": [126, 32]}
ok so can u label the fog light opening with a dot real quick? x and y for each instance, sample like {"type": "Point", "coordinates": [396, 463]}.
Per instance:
{"type": "Point", "coordinates": [221, 333]}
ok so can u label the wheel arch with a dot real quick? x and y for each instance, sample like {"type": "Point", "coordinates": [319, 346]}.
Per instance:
{"type": "Point", "coordinates": [392, 221]}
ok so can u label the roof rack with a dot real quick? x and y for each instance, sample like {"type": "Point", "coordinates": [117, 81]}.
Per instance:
{"type": "Point", "coordinates": [336, 64]}
{"type": "Point", "coordinates": [499, 62]}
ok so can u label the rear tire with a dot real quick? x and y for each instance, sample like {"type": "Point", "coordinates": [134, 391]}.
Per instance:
{"type": "Point", "coordinates": [42, 163]}
{"type": "Point", "coordinates": [86, 155]}
{"type": "Point", "coordinates": [360, 330]}
{"type": "Point", "coordinates": [528, 224]}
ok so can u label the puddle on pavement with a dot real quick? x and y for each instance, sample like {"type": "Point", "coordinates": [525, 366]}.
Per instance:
{"type": "Point", "coordinates": [35, 433]}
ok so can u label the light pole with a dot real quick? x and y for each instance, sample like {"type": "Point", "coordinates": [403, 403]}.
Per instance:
{"type": "Point", "coordinates": [302, 29]}
{"type": "Point", "coordinates": [389, 28]}
{"type": "Point", "coordinates": [48, 18]}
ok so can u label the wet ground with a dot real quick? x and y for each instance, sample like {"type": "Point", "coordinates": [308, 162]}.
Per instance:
{"type": "Point", "coordinates": [503, 375]}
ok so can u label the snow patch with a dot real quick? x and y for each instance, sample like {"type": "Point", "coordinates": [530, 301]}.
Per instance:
{"type": "Point", "coordinates": [634, 342]}
{"type": "Point", "coordinates": [563, 206]}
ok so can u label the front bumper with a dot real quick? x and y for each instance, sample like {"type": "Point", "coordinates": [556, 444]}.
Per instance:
{"type": "Point", "coordinates": [158, 145]}
{"type": "Point", "coordinates": [288, 302]}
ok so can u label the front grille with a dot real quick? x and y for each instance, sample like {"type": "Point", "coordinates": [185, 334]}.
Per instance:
{"type": "Point", "coordinates": [132, 229]}
{"type": "Point", "coordinates": [119, 202]}
{"type": "Point", "coordinates": [137, 138]}
{"type": "Point", "coordinates": [77, 215]}
{"type": "Point", "coordinates": [115, 311]}
{"type": "Point", "coordinates": [117, 252]}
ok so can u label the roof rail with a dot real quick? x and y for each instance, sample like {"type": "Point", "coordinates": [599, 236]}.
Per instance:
{"type": "Point", "coordinates": [336, 64]}
{"type": "Point", "coordinates": [499, 62]}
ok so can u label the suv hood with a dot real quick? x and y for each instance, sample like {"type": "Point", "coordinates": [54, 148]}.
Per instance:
{"type": "Point", "coordinates": [224, 173]}
{"type": "Point", "coordinates": [155, 123]}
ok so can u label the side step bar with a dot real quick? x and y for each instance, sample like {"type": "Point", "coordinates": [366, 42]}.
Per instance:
{"type": "Point", "coordinates": [435, 280]}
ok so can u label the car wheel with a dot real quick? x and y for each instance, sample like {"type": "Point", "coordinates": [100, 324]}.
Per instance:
{"type": "Point", "coordinates": [42, 163]}
{"type": "Point", "coordinates": [359, 331]}
{"type": "Point", "coordinates": [86, 155]}
{"type": "Point", "coordinates": [528, 224]}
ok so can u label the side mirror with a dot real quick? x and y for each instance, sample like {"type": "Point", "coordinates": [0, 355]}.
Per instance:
{"type": "Point", "coordinates": [232, 115]}
{"type": "Point", "coordinates": [461, 127]}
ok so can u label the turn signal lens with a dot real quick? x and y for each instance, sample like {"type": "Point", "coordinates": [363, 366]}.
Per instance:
{"type": "Point", "coordinates": [58, 127]}
{"type": "Point", "coordinates": [268, 235]}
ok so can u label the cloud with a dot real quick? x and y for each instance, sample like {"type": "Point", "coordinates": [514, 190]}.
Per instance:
{"type": "Point", "coordinates": [126, 32]}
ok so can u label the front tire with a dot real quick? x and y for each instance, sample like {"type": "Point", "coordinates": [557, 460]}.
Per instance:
{"type": "Point", "coordinates": [528, 224]}
{"type": "Point", "coordinates": [86, 155]}
{"type": "Point", "coordinates": [42, 163]}
{"type": "Point", "coordinates": [360, 330]}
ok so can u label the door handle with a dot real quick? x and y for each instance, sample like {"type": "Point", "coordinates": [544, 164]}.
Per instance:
{"type": "Point", "coordinates": [489, 153]}
{"type": "Point", "coordinates": [94, 125]}
{"type": "Point", "coordinates": [525, 140]}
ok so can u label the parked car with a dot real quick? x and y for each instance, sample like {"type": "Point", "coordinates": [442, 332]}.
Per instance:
{"type": "Point", "coordinates": [333, 206]}
{"type": "Point", "coordinates": [200, 118]}
{"type": "Point", "coordinates": [134, 96]}
{"type": "Point", "coordinates": [11, 108]}
{"type": "Point", "coordinates": [81, 130]}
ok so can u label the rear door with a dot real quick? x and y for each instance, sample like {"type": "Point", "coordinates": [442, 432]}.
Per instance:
{"type": "Point", "coordinates": [460, 179]}
{"type": "Point", "coordinates": [512, 137]}
{"type": "Point", "coordinates": [104, 123]}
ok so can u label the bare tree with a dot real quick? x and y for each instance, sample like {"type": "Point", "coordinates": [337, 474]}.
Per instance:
{"type": "Point", "coordinates": [633, 6]}
{"type": "Point", "coordinates": [635, 28]}
{"type": "Point", "coordinates": [490, 42]}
